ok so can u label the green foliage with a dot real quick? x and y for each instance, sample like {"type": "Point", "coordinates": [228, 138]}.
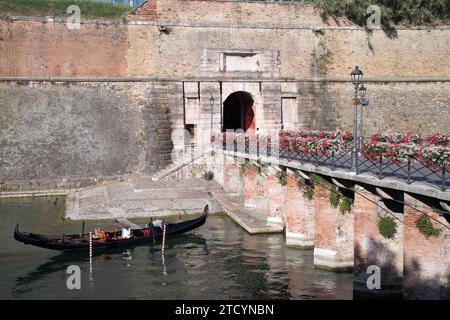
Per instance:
{"type": "Point", "coordinates": [254, 167]}
{"type": "Point", "coordinates": [167, 110]}
{"type": "Point", "coordinates": [423, 223]}
{"type": "Point", "coordinates": [338, 200]}
{"type": "Point", "coordinates": [308, 192]}
{"type": "Point", "coordinates": [315, 179]}
{"type": "Point", "coordinates": [387, 227]}
{"type": "Point", "coordinates": [346, 204]}
{"type": "Point", "coordinates": [416, 12]}
{"type": "Point", "coordinates": [335, 199]}
{"type": "Point", "coordinates": [282, 177]}
{"type": "Point", "coordinates": [263, 168]}
{"type": "Point", "coordinates": [58, 8]}
{"type": "Point", "coordinates": [305, 185]}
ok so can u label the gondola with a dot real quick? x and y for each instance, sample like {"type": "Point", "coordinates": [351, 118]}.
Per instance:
{"type": "Point", "coordinates": [80, 242]}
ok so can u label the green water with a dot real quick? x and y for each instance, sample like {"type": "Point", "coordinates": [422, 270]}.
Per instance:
{"type": "Point", "coordinates": [217, 261]}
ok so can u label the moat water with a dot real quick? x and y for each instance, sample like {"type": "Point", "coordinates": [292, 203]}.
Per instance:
{"type": "Point", "coordinates": [217, 261]}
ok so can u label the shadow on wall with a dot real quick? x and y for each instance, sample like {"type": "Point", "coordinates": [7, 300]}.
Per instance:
{"type": "Point", "coordinates": [435, 288]}
{"type": "Point", "coordinates": [408, 284]}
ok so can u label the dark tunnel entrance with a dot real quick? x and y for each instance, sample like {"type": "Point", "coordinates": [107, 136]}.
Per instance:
{"type": "Point", "coordinates": [238, 112]}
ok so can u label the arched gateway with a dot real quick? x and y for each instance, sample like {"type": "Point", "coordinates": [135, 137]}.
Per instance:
{"type": "Point", "coordinates": [239, 112]}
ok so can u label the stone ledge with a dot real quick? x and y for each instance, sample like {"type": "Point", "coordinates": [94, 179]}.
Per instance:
{"type": "Point", "coordinates": [327, 259]}
{"type": "Point", "coordinates": [299, 240]}
{"type": "Point", "coordinates": [251, 220]}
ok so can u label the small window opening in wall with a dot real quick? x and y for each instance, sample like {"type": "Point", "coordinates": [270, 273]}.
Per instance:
{"type": "Point", "coordinates": [289, 113]}
{"type": "Point", "coordinates": [191, 128]}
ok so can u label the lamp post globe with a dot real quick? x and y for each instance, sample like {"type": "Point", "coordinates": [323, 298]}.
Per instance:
{"type": "Point", "coordinates": [362, 91]}
{"type": "Point", "coordinates": [356, 75]}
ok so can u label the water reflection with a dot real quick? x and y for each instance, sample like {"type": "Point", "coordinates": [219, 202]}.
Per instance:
{"type": "Point", "coordinates": [217, 261]}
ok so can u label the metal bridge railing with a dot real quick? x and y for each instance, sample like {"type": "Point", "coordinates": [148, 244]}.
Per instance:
{"type": "Point", "coordinates": [409, 171]}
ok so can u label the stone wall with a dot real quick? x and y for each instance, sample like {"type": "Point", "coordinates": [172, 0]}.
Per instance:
{"type": "Point", "coordinates": [421, 107]}
{"type": "Point", "coordinates": [41, 48]}
{"type": "Point", "coordinates": [289, 59]}
{"type": "Point", "coordinates": [292, 40]}
{"type": "Point", "coordinates": [83, 130]}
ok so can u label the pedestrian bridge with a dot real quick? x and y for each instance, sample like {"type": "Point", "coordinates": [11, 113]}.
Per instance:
{"type": "Point", "coordinates": [392, 212]}
{"type": "Point", "coordinates": [423, 165]}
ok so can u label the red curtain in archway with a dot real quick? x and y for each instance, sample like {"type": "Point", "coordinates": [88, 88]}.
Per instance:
{"type": "Point", "coordinates": [249, 119]}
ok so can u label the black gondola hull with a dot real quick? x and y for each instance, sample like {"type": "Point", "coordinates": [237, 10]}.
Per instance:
{"type": "Point", "coordinates": [67, 244]}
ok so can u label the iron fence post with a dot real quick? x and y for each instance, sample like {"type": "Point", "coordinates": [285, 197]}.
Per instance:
{"type": "Point", "coordinates": [333, 164]}
{"type": "Point", "coordinates": [246, 144]}
{"type": "Point", "coordinates": [257, 145]}
{"type": "Point", "coordinates": [409, 170]}
{"type": "Point", "coordinates": [288, 152]}
{"type": "Point", "coordinates": [380, 167]}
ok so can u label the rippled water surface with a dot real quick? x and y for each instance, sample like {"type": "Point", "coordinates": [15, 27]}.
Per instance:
{"type": "Point", "coordinates": [217, 261]}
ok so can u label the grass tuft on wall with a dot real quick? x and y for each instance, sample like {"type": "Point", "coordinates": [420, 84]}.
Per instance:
{"type": "Point", "coordinates": [58, 8]}
{"type": "Point", "coordinates": [420, 12]}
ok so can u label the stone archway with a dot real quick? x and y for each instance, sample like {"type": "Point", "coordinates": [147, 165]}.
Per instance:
{"type": "Point", "coordinates": [239, 112]}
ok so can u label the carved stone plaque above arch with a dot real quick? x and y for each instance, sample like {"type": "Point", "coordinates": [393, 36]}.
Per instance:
{"type": "Point", "coordinates": [240, 62]}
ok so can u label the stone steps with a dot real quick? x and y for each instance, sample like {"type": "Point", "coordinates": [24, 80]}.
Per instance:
{"type": "Point", "coordinates": [253, 220]}
{"type": "Point", "coordinates": [141, 197]}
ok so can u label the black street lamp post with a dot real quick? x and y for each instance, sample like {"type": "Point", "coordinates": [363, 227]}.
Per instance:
{"type": "Point", "coordinates": [356, 75]}
{"type": "Point", "coordinates": [362, 95]}
{"type": "Point", "coordinates": [211, 103]}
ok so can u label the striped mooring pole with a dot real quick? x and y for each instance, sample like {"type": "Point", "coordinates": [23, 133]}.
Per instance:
{"type": "Point", "coordinates": [163, 240]}
{"type": "Point", "coordinates": [163, 247]}
{"type": "Point", "coordinates": [90, 255]}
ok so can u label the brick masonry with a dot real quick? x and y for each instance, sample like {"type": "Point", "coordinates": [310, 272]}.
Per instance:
{"type": "Point", "coordinates": [426, 260]}
{"type": "Point", "coordinates": [45, 49]}
{"type": "Point", "coordinates": [411, 265]}
{"type": "Point", "coordinates": [275, 195]}
{"type": "Point", "coordinates": [250, 186]}
{"type": "Point", "coordinates": [300, 222]}
{"type": "Point", "coordinates": [289, 46]}
{"type": "Point", "coordinates": [372, 249]}
{"type": "Point", "coordinates": [334, 233]}
{"type": "Point", "coordinates": [233, 179]}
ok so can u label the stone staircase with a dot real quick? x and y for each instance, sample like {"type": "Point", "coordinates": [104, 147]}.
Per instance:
{"type": "Point", "coordinates": [188, 167]}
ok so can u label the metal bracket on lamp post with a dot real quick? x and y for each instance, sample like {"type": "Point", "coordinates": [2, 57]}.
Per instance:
{"type": "Point", "coordinates": [364, 103]}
